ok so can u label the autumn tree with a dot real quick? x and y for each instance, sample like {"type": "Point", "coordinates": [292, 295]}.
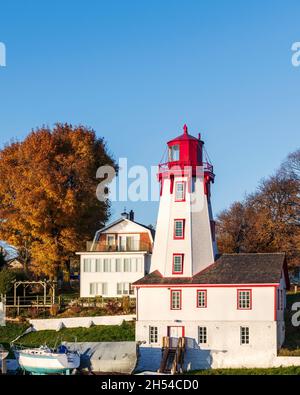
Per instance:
{"type": "Point", "coordinates": [48, 203]}
{"type": "Point", "coordinates": [268, 220]}
{"type": "Point", "coordinates": [232, 228]}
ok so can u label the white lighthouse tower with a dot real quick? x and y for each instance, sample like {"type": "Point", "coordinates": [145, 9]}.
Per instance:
{"type": "Point", "coordinates": [185, 233]}
{"type": "Point", "coordinates": [196, 309]}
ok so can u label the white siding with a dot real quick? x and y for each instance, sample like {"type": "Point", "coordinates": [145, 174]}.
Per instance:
{"type": "Point", "coordinates": [102, 261]}
{"type": "Point", "coordinates": [154, 304]}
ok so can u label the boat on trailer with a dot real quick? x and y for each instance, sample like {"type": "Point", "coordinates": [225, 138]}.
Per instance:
{"type": "Point", "coordinates": [44, 360]}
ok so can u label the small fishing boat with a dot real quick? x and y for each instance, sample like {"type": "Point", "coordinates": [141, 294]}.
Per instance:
{"type": "Point", "coordinates": [44, 360]}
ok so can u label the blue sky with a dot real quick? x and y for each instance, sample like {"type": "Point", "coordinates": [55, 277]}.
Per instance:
{"type": "Point", "coordinates": [136, 71]}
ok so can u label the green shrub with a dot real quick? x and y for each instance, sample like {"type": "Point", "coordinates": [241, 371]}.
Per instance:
{"type": "Point", "coordinates": [6, 281]}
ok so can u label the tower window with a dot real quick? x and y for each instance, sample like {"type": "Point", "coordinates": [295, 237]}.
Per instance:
{"type": "Point", "coordinates": [202, 298]}
{"type": "Point", "coordinates": [176, 300]}
{"type": "Point", "coordinates": [179, 191]}
{"type": "Point", "coordinates": [174, 153]}
{"type": "Point", "coordinates": [177, 263]}
{"type": "Point", "coordinates": [179, 229]}
{"type": "Point", "coordinates": [244, 297]}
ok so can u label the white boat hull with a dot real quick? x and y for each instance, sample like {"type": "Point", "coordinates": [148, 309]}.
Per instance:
{"type": "Point", "coordinates": [34, 361]}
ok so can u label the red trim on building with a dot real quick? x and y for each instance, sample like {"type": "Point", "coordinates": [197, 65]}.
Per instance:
{"type": "Point", "coordinates": [184, 191]}
{"type": "Point", "coordinates": [182, 260]}
{"type": "Point", "coordinates": [205, 298]}
{"type": "Point", "coordinates": [205, 285]}
{"type": "Point", "coordinates": [180, 298]}
{"type": "Point", "coordinates": [238, 299]}
{"type": "Point", "coordinates": [183, 229]}
{"type": "Point", "coordinates": [176, 326]}
{"type": "Point", "coordinates": [161, 187]}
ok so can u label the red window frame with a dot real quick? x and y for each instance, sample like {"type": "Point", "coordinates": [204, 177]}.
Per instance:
{"type": "Point", "coordinates": [180, 298]}
{"type": "Point", "coordinates": [183, 229]}
{"type": "Point", "coordinates": [205, 298]}
{"type": "Point", "coordinates": [173, 266]}
{"type": "Point", "coordinates": [184, 191]}
{"type": "Point", "coordinates": [238, 299]}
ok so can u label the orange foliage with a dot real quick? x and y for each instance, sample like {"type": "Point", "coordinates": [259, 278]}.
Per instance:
{"type": "Point", "coordinates": [48, 201]}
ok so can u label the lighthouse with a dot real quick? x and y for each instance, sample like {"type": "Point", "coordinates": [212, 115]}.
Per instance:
{"type": "Point", "coordinates": [196, 308]}
{"type": "Point", "coordinates": [185, 233]}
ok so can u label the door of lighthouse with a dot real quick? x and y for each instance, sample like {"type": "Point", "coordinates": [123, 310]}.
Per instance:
{"type": "Point", "coordinates": [174, 333]}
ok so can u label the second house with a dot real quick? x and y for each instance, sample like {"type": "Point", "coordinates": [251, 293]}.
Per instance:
{"type": "Point", "coordinates": [119, 255]}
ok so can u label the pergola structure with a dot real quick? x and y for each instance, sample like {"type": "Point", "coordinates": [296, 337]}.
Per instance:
{"type": "Point", "coordinates": [47, 299]}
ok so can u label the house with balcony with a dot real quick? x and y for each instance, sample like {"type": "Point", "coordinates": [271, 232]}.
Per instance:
{"type": "Point", "coordinates": [119, 255]}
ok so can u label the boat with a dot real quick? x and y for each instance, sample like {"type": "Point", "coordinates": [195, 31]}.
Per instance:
{"type": "Point", "coordinates": [44, 360]}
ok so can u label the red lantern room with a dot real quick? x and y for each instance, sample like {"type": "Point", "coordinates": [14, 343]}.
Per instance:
{"type": "Point", "coordinates": [185, 155]}
{"type": "Point", "coordinates": [185, 150]}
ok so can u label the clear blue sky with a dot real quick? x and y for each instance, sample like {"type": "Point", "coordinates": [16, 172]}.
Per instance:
{"type": "Point", "coordinates": [136, 71]}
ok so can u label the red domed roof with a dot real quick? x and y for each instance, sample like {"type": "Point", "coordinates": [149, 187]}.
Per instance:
{"type": "Point", "coordinates": [185, 136]}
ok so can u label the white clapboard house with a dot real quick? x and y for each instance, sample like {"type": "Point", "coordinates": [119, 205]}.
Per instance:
{"type": "Point", "coordinates": [119, 255]}
{"type": "Point", "coordinates": [224, 310]}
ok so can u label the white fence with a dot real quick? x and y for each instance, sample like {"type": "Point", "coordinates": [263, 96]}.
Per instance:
{"type": "Point", "coordinates": [86, 322]}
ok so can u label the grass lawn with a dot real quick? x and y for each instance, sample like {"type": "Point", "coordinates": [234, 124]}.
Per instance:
{"type": "Point", "coordinates": [101, 333]}
{"type": "Point", "coordinates": [291, 370]}
{"type": "Point", "coordinates": [9, 332]}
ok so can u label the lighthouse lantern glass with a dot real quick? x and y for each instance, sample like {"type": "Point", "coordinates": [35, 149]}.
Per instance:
{"type": "Point", "coordinates": [174, 153]}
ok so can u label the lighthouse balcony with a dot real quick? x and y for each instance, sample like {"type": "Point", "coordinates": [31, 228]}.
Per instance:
{"type": "Point", "coordinates": [184, 168]}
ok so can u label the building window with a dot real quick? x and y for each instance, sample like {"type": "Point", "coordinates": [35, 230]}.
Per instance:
{"type": "Point", "coordinates": [110, 240]}
{"type": "Point", "coordinates": [244, 335]}
{"type": "Point", "coordinates": [106, 265]}
{"type": "Point", "coordinates": [179, 191]}
{"type": "Point", "coordinates": [87, 265]}
{"type": "Point", "coordinates": [177, 263]}
{"type": "Point", "coordinates": [98, 289]}
{"type": "Point", "coordinates": [244, 297]}
{"type": "Point", "coordinates": [118, 265]}
{"type": "Point", "coordinates": [202, 334]}
{"type": "Point", "coordinates": [125, 289]}
{"type": "Point", "coordinates": [119, 288]}
{"type": "Point", "coordinates": [202, 298]}
{"type": "Point", "coordinates": [153, 334]}
{"type": "Point", "coordinates": [98, 266]}
{"type": "Point", "coordinates": [136, 264]}
{"type": "Point", "coordinates": [131, 289]}
{"type": "Point", "coordinates": [127, 265]}
{"type": "Point", "coordinates": [174, 153]}
{"type": "Point", "coordinates": [176, 300]}
{"type": "Point", "coordinates": [179, 228]}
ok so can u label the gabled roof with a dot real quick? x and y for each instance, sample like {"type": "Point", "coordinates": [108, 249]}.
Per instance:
{"type": "Point", "coordinates": [231, 269]}
{"type": "Point", "coordinates": [108, 226]}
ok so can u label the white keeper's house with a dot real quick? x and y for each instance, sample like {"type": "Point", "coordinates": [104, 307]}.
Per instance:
{"type": "Point", "coordinates": [215, 311]}
{"type": "Point", "coordinates": [119, 255]}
